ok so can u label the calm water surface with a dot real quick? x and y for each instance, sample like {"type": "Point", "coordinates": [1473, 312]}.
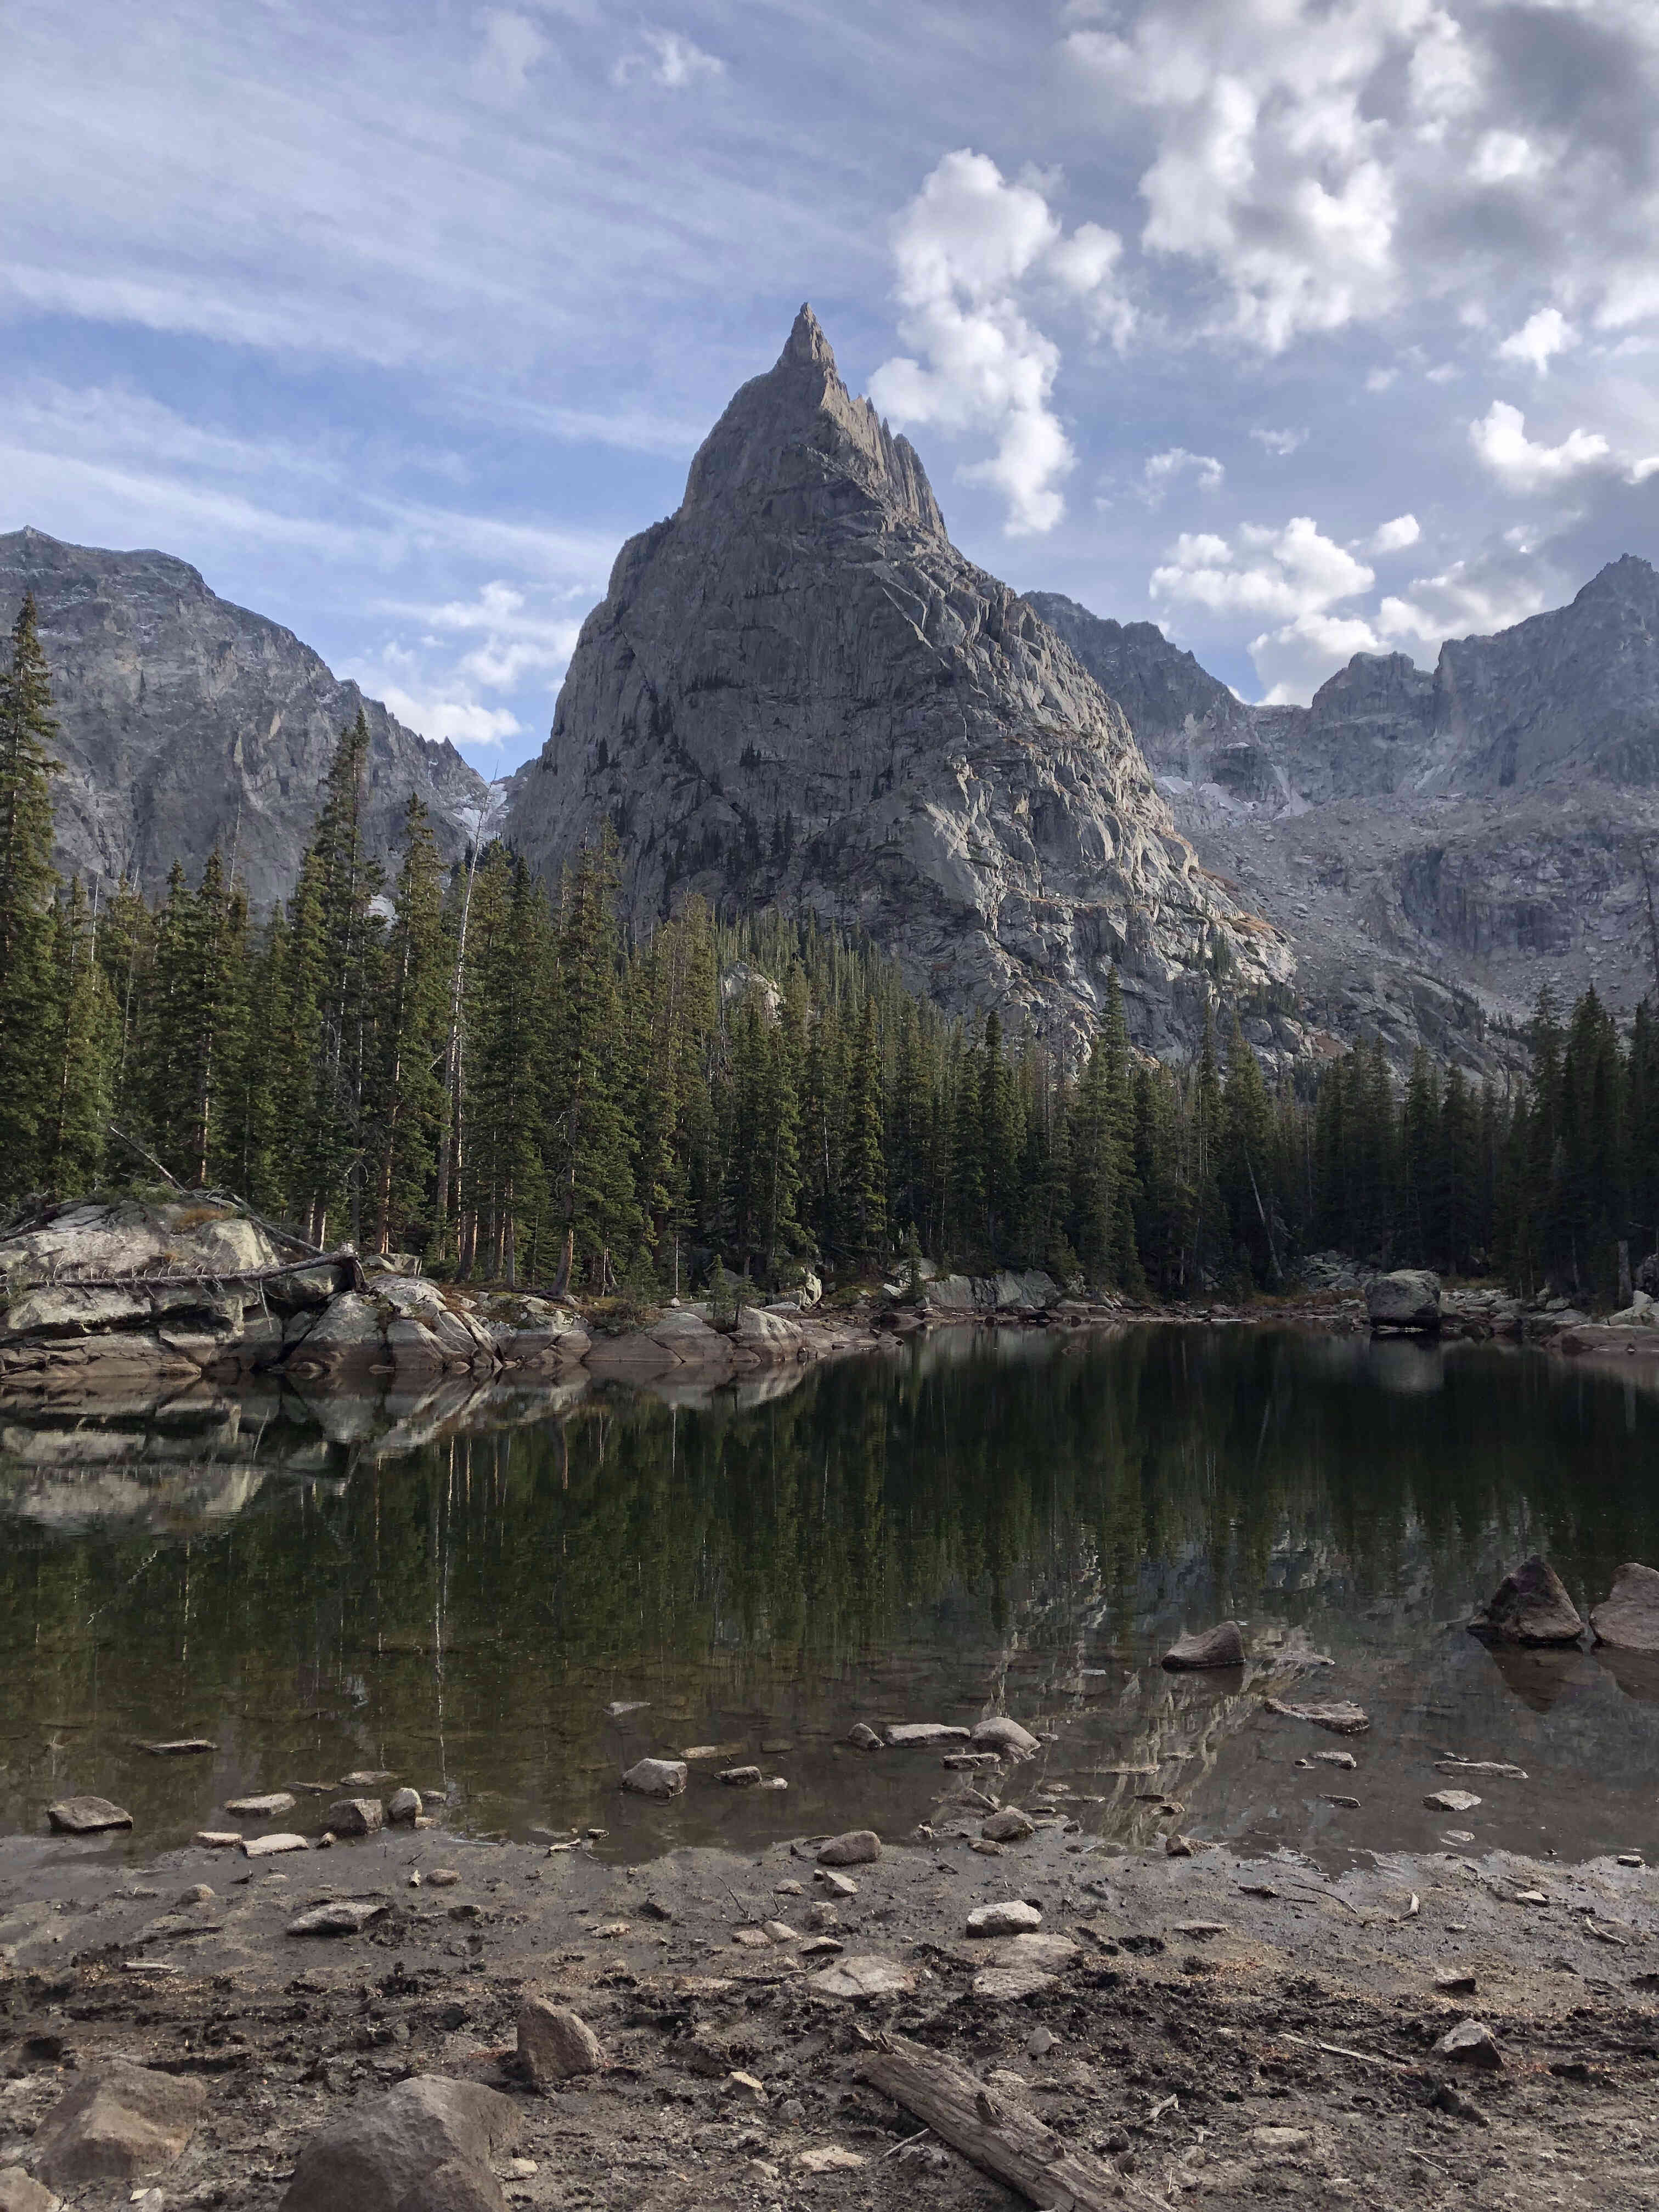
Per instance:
{"type": "Point", "coordinates": [1020, 1520]}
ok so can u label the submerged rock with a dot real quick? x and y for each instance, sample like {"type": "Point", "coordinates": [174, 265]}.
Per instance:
{"type": "Point", "coordinates": [1220, 1646]}
{"type": "Point", "coordinates": [1530, 1606]}
{"type": "Point", "coordinates": [1340, 1717]}
{"type": "Point", "coordinates": [1627, 1619]}
{"type": "Point", "coordinates": [656, 1778]}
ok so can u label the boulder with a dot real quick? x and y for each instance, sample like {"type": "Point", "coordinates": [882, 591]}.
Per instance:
{"type": "Point", "coordinates": [403, 1807]}
{"type": "Point", "coordinates": [1220, 1646]}
{"type": "Point", "coordinates": [555, 2044]}
{"type": "Point", "coordinates": [863, 1737]}
{"type": "Point", "coordinates": [1409, 1298]}
{"type": "Point", "coordinates": [858, 1847]}
{"type": "Point", "coordinates": [86, 1816]}
{"type": "Point", "coordinates": [390, 2150]}
{"type": "Point", "coordinates": [656, 1778]}
{"type": "Point", "coordinates": [118, 2124]}
{"type": "Point", "coordinates": [999, 1733]}
{"type": "Point", "coordinates": [1530, 1606]}
{"type": "Point", "coordinates": [356, 1816]}
{"type": "Point", "coordinates": [768, 1336]}
{"type": "Point", "coordinates": [1627, 1619]}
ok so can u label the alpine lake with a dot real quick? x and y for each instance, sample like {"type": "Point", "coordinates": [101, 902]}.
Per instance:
{"type": "Point", "coordinates": [551, 1586]}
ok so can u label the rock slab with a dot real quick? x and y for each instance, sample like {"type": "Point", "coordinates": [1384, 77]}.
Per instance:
{"type": "Point", "coordinates": [656, 1778]}
{"type": "Point", "coordinates": [87, 1816]}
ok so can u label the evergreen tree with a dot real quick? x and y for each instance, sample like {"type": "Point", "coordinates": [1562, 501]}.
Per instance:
{"type": "Point", "coordinates": [408, 1101]}
{"type": "Point", "coordinates": [27, 884]}
{"type": "Point", "coordinates": [867, 1168]}
{"type": "Point", "coordinates": [78, 1047]}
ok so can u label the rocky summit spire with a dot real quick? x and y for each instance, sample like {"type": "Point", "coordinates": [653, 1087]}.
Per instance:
{"type": "Point", "coordinates": [798, 429]}
{"type": "Point", "coordinates": [798, 693]}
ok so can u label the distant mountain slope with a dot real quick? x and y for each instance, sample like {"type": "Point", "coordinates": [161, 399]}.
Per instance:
{"type": "Point", "coordinates": [797, 691]}
{"type": "Point", "coordinates": [1437, 841]}
{"type": "Point", "coordinates": [187, 723]}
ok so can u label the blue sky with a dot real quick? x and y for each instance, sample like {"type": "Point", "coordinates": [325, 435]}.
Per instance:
{"type": "Point", "coordinates": [1301, 326]}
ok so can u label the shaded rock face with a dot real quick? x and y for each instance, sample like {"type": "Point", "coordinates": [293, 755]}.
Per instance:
{"type": "Point", "coordinates": [797, 691]}
{"type": "Point", "coordinates": [185, 722]}
{"type": "Point", "coordinates": [1438, 842]}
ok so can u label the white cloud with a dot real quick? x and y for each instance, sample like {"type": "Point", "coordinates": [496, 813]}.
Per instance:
{"type": "Point", "coordinates": [1162, 469]}
{"type": "Point", "coordinates": [1280, 443]}
{"type": "Point", "coordinates": [1463, 600]}
{"type": "Point", "coordinates": [512, 47]}
{"type": "Point", "coordinates": [1499, 438]}
{"type": "Point", "coordinates": [670, 59]}
{"type": "Point", "coordinates": [462, 721]}
{"type": "Point", "coordinates": [1281, 574]}
{"type": "Point", "coordinates": [1501, 157]}
{"type": "Point", "coordinates": [1540, 338]}
{"type": "Point", "coordinates": [1294, 578]}
{"type": "Point", "coordinates": [967, 248]}
{"type": "Point", "coordinates": [1394, 537]}
{"type": "Point", "coordinates": [438, 692]}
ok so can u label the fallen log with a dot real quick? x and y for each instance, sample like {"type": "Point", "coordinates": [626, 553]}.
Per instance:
{"type": "Point", "coordinates": [999, 2136]}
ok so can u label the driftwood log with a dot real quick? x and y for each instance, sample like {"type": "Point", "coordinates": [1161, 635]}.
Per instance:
{"type": "Point", "coordinates": [1001, 2137]}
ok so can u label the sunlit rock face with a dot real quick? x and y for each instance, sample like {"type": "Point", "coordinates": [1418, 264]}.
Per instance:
{"type": "Point", "coordinates": [186, 723]}
{"type": "Point", "coordinates": [797, 692]}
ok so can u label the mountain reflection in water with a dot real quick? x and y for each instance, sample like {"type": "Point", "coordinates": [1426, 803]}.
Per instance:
{"type": "Point", "coordinates": [457, 1592]}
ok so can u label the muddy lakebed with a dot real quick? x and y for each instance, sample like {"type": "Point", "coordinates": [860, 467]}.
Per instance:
{"type": "Point", "coordinates": [513, 1611]}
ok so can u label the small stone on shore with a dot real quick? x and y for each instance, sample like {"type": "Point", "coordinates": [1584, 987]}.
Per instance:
{"type": "Point", "coordinates": [1451, 1800]}
{"type": "Point", "coordinates": [1454, 1981]}
{"type": "Point", "coordinates": [858, 1847]}
{"type": "Point", "coordinates": [1009, 1827]}
{"type": "Point", "coordinates": [218, 1839]}
{"type": "Point", "coordinates": [1471, 2044]}
{"type": "Point", "coordinates": [344, 1916]}
{"type": "Point", "coordinates": [555, 2044]}
{"type": "Point", "coordinates": [1015, 1918]}
{"type": "Point", "coordinates": [838, 1885]}
{"type": "Point", "coordinates": [265, 1847]}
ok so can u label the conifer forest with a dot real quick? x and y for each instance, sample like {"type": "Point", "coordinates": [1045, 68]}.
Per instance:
{"type": "Point", "coordinates": [458, 1063]}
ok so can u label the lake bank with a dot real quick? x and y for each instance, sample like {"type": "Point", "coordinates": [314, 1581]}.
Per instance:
{"type": "Point", "coordinates": [1229, 2025]}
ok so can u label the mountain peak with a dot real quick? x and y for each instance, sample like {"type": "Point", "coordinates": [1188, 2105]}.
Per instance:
{"type": "Point", "coordinates": [797, 429]}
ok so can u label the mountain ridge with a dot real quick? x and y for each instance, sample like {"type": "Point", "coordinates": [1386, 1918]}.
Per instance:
{"type": "Point", "coordinates": [186, 721]}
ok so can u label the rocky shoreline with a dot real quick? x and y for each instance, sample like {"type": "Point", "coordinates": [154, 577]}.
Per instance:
{"type": "Point", "coordinates": [136, 1304]}
{"type": "Point", "coordinates": [717, 2029]}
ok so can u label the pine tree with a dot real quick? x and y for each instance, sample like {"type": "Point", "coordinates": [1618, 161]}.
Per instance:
{"type": "Point", "coordinates": [866, 1171]}
{"type": "Point", "coordinates": [590, 1145]}
{"type": "Point", "coordinates": [27, 882]}
{"type": "Point", "coordinates": [79, 1052]}
{"type": "Point", "coordinates": [408, 1098]}
{"type": "Point", "coordinates": [1243, 1170]}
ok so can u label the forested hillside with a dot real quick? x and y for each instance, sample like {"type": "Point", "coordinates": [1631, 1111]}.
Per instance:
{"type": "Point", "coordinates": [454, 1061]}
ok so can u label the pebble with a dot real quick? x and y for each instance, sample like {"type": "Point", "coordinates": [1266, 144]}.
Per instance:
{"type": "Point", "coordinates": [988, 1849]}
{"type": "Point", "coordinates": [1458, 1836]}
{"type": "Point", "coordinates": [178, 1746]}
{"type": "Point", "coordinates": [838, 1885]}
{"type": "Point", "coordinates": [1454, 1981]}
{"type": "Point", "coordinates": [1040, 2042]}
{"type": "Point", "coordinates": [1177, 1847]}
{"type": "Point", "coordinates": [443, 1877]}
{"type": "Point", "coordinates": [198, 1893]}
{"type": "Point", "coordinates": [822, 1916]}
{"type": "Point", "coordinates": [1015, 1918]}
{"type": "Point", "coordinates": [788, 1889]}
{"type": "Point", "coordinates": [619, 1708]}
{"type": "Point", "coordinates": [1631, 1859]}
{"type": "Point", "coordinates": [780, 1931]}
{"type": "Point", "coordinates": [1344, 1804]}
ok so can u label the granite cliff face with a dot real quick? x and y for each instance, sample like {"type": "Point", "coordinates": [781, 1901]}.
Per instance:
{"type": "Point", "coordinates": [1439, 843]}
{"type": "Point", "coordinates": [185, 722]}
{"type": "Point", "coordinates": [797, 691]}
